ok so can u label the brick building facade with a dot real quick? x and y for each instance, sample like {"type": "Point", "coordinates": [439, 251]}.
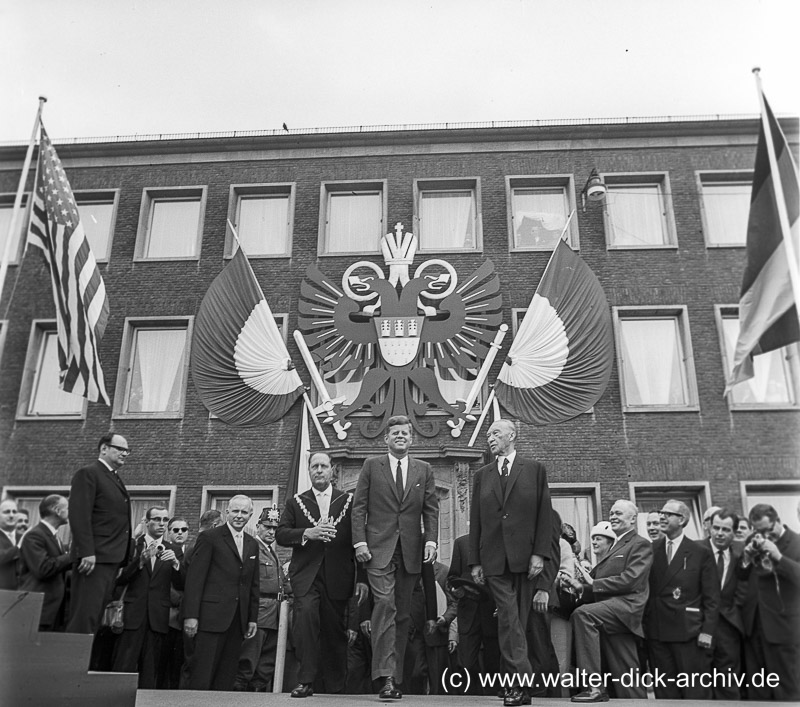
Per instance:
{"type": "Point", "coordinates": [666, 244]}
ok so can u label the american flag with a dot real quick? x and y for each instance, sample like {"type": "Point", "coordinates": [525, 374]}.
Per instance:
{"type": "Point", "coordinates": [78, 288]}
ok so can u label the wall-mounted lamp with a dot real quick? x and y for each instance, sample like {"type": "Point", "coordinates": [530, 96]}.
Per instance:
{"type": "Point", "coordinates": [595, 189]}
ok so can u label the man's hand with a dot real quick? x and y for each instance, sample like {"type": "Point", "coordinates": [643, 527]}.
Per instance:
{"type": "Point", "coordinates": [540, 601]}
{"type": "Point", "coordinates": [535, 566]}
{"type": "Point", "coordinates": [430, 553]}
{"type": "Point", "coordinates": [324, 532]}
{"type": "Point", "coordinates": [704, 640]}
{"type": "Point", "coordinates": [772, 550]}
{"type": "Point", "coordinates": [169, 556]}
{"type": "Point", "coordinates": [366, 629]}
{"type": "Point", "coordinates": [190, 627]}
{"type": "Point", "coordinates": [362, 592]}
{"type": "Point", "coordinates": [452, 646]}
{"type": "Point", "coordinates": [252, 627]}
{"type": "Point", "coordinates": [351, 636]}
{"type": "Point", "coordinates": [363, 554]}
{"type": "Point", "coordinates": [477, 574]}
{"type": "Point", "coordinates": [86, 565]}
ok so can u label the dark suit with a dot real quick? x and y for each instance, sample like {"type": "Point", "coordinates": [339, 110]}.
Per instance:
{"type": "Point", "coordinates": [100, 522]}
{"type": "Point", "coordinates": [477, 624]}
{"type": "Point", "coordinates": [610, 618]}
{"type": "Point", "coordinates": [222, 593]}
{"type": "Point", "coordinates": [390, 526]}
{"type": "Point", "coordinates": [683, 603]}
{"type": "Point", "coordinates": [727, 648]}
{"type": "Point", "coordinates": [506, 528]}
{"type": "Point", "coordinates": [146, 615]}
{"type": "Point", "coordinates": [43, 565]}
{"type": "Point", "coordinates": [323, 577]}
{"type": "Point", "coordinates": [771, 616]}
{"type": "Point", "coordinates": [9, 554]}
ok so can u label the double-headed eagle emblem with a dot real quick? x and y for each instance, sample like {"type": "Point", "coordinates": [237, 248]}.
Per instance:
{"type": "Point", "coordinates": [389, 341]}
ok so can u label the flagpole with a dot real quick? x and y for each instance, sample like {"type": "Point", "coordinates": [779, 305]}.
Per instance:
{"type": "Point", "coordinates": [18, 198]}
{"type": "Point", "coordinates": [783, 215]}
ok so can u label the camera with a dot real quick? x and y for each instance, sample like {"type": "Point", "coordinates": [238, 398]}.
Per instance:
{"type": "Point", "coordinates": [159, 551]}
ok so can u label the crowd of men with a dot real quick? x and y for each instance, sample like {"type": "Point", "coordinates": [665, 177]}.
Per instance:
{"type": "Point", "coordinates": [372, 610]}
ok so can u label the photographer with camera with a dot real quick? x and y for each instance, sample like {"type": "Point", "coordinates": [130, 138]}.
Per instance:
{"type": "Point", "coordinates": [147, 579]}
{"type": "Point", "coordinates": [771, 612]}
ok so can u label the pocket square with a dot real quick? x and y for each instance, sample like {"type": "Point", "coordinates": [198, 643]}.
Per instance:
{"type": "Point", "coordinates": [693, 609]}
{"type": "Point", "coordinates": [616, 556]}
{"type": "Point", "coordinates": [252, 557]}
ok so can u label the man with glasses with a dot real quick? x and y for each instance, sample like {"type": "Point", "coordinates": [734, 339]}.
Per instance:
{"type": "Point", "coordinates": [100, 521]}
{"type": "Point", "coordinates": [683, 607]}
{"type": "Point", "coordinates": [771, 565]}
{"type": "Point", "coordinates": [170, 671]}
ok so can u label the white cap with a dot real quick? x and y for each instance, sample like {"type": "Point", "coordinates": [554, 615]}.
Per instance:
{"type": "Point", "coordinates": [603, 528]}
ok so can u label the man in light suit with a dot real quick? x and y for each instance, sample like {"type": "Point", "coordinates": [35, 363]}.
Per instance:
{"type": "Point", "coordinates": [395, 527]}
{"type": "Point", "coordinates": [316, 524]}
{"type": "Point", "coordinates": [220, 600]}
{"type": "Point", "coordinates": [511, 527]}
{"type": "Point", "coordinates": [44, 562]}
{"type": "Point", "coordinates": [727, 648]}
{"type": "Point", "coordinates": [100, 521]}
{"type": "Point", "coordinates": [614, 597]}
{"type": "Point", "coordinates": [683, 608]}
{"type": "Point", "coordinates": [148, 577]}
{"type": "Point", "coordinates": [9, 552]}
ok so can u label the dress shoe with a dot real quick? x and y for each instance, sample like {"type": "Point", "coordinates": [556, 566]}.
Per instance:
{"type": "Point", "coordinates": [390, 691]}
{"type": "Point", "coordinates": [593, 694]}
{"type": "Point", "coordinates": [304, 689]}
{"type": "Point", "coordinates": [515, 697]}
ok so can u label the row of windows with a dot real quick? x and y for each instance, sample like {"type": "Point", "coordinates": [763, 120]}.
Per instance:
{"type": "Point", "coordinates": [577, 504]}
{"type": "Point", "coordinates": [654, 356]}
{"type": "Point", "coordinates": [447, 215]}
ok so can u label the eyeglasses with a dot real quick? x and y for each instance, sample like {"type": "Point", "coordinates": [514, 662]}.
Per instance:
{"type": "Point", "coordinates": [670, 513]}
{"type": "Point", "coordinates": [121, 450]}
{"type": "Point", "coordinates": [180, 530]}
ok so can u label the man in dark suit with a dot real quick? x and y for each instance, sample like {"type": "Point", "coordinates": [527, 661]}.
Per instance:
{"type": "Point", "coordinates": [683, 608]}
{"type": "Point", "coordinates": [727, 648]}
{"type": "Point", "coordinates": [771, 565]}
{"type": "Point", "coordinates": [9, 552]}
{"type": "Point", "coordinates": [44, 562]}
{"type": "Point", "coordinates": [614, 597]}
{"type": "Point", "coordinates": [477, 624]}
{"type": "Point", "coordinates": [511, 526]}
{"type": "Point", "coordinates": [395, 527]}
{"type": "Point", "coordinates": [220, 600]}
{"type": "Point", "coordinates": [317, 525]}
{"type": "Point", "coordinates": [153, 570]}
{"type": "Point", "coordinates": [100, 521]}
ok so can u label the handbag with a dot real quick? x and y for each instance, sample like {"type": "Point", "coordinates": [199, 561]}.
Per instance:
{"type": "Point", "coordinates": [114, 614]}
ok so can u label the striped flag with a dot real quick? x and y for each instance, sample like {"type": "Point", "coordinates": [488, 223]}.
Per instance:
{"type": "Point", "coordinates": [767, 307]}
{"type": "Point", "coordinates": [78, 289]}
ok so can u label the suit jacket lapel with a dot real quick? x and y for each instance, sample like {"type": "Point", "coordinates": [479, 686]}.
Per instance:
{"type": "Point", "coordinates": [678, 561]}
{"type": "Point", "coordinates": [513, 475]}
{"type": "Point", "coordinates": [413, 476]}
{"type": "Point", "coordinates": [494, 482]}
{"type": "Point", "coordinates": [230, 542]}
{"type": "Point", "coordinates": [310, 502]}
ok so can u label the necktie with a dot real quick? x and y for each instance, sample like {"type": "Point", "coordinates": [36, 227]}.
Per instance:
{"type": "Point", "coordinates": [239, 543]}
{"type": "Point", "coordinates": [398, 480]}
{"type": "Point", "coordinates": [505, 466]}
{"type": "Point", "coordinates": [669, 551]}
{"type": "Point", "coordinates": [504, 475]}
{"type": "Point", "coordinates": [720, 566]}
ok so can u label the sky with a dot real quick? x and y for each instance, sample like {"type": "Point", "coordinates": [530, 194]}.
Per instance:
{"type": "Point", "coordinates": [122, 67]}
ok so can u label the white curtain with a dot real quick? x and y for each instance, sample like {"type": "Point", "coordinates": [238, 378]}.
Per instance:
{"type": "Point", "coordinates": [354, 223]}
{"type": "Point", "coordinates": [447, 220]}
{"type": "Point", "coordinates": [727, 208]}
{"type": "Point", "coordinates": [157, 370]}
{"type": "Point", "coordinates": [46, 397]}
{"type": "Point", "coordinates": [578, 511]}
{"type": "Point", "coordinates": [655, 502]}
{"type": "Point", "coordinates": [653, 362]}
{"type": "Point", "coordinates": [173, 228]}
{"type": "Point", "coordinates": [636, 215]}
{"type": "Point", "coordinates": [771, 383]}
{"type": "Point", "coordinates": [96, 220]}
{"type": "Point", "coordinates": [262, 224]}
{"type": "Point", "coordinates": [539, 216]}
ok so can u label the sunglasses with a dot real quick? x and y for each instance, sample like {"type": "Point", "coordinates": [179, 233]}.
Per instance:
{"type": "Point", "coordinates": [180, 530]}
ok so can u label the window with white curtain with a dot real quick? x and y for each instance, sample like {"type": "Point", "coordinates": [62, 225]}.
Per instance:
{"type": "Point", "coordinates": [40, 395]}
{"type": "Point", "coordinates": [538, 211]}
{"type": "Point", "coordinates": [652, 497]}
{"type": "Point", "coordinates": [638, 212]}
{"type": "Point", "coordinates": [171, 224]}
{"type": "Point", "coordinates": [352, 217]}
{"type": "Point", "coordinates": [783, 496]}
{"type": "Point", "coordinates": [775, 384]}
{"type": "Point", "coordinates": [154, 368]}
{"type": "Point", "coordinates": [97, 212]}
{"type": "Point", "coordinates": [726, 208]}
{"type": "Point", "coordinates": [447, 214]}
{"type": "Point", "coordinates": [6, 212]}
{"type": "Point", "coordinates": [217, 498]}
{"type": "Point", "coordinates": [655, 359]}
{"type": "Point", "coordinates": [262, 215]}
{"type": "Point", "coordinates": [577, 505]}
